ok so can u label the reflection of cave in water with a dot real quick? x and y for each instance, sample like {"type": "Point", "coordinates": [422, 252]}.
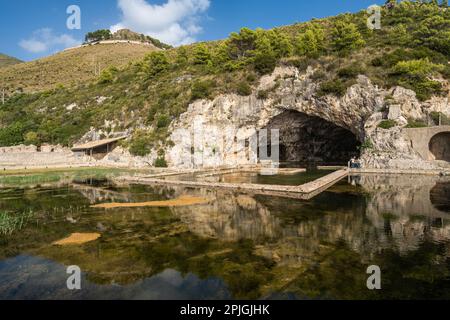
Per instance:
{"type": "Point", "coordinates": [306, 139]}
{"type": "Point", "coordinates": [440, 146]}
{"type": "Point", "coordinates": [440, 196]}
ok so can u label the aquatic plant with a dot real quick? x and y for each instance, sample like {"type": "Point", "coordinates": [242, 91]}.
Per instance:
{"type": "Point", "coordinates": [10, 223]}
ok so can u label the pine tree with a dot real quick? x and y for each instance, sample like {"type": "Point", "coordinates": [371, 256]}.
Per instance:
{"type": "Point", "coordinates": [202, 56]}
{"type": "Point", "coordinates": [280, 43]}
{"type": "Point", "coordinates": [265, 58]}
{"type": "Point", "coordinates": [311, 42]}
{"type": "Point", "coordinates": [346, 37]}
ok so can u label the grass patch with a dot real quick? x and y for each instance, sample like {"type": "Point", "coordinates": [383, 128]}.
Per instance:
{"type": "Point", "coordinates": [387, 124]}
{"type": "Point", "coordinates": [416, 123]}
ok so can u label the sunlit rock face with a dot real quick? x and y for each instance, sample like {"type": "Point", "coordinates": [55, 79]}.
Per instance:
{"type": "Point", "coordinates": [358, 111]}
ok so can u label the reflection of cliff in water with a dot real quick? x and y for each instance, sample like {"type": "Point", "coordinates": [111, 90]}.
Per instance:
{"type": "Point", "coordinates": [255, 245]}
{"type": "Point", "coordinates": [99, 194]}
{"type": "Point", "coordinates": [395, 213]}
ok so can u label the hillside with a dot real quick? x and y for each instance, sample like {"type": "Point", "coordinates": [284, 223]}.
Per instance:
{"type": "Point", "coordinates": [412, 50]}
{"type": "Point", "coordinates": [7, 60]}
{"type": "Point", "coordinates": [70, 68]}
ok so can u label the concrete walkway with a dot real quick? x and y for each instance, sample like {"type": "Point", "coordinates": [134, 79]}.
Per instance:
{"type": "Point", "coordinates": [433, 172]}
{"type": "Point", "coordinates": [305, 191]}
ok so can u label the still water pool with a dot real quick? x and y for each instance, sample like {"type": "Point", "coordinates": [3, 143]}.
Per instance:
{"type": "Point", "coordinates": [234, 246]}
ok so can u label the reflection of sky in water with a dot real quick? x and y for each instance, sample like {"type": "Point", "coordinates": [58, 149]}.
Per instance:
{"type": "Point", "coordinates": [28, 277]}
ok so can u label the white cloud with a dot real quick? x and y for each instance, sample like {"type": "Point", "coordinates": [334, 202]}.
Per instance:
{"type": "Point", "coordinates": [44, 40]}
{"type": "Point", "coordinates": [175, 22]}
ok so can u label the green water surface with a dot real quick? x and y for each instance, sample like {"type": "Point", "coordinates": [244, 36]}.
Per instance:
{"type": "Point", "coordinates": [236, 246]}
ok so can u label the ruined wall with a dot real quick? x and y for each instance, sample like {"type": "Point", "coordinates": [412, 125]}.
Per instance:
{"type": "Point", "coordinates": [20, 157]}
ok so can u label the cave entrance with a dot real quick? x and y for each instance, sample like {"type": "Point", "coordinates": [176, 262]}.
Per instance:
{"type": "Point", "coordinates": [313, 140]}
{"type": "Point", "coordinates": [440, 196]}
{"type": "Point", "coordinates": [440, 146]}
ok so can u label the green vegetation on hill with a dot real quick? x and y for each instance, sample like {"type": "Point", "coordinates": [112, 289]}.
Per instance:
{"type": "Point", "coordinates": [8, 61]}
{"type": "Point", "coordinates": [411, 49]}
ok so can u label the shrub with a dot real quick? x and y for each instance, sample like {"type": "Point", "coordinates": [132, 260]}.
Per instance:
{"type": "Point", "coordinates": [251, 77]}
{"type": "Point", "coordinates": [201, 90]}
{"type": "Point", "coordinates": [31, 138]}
{"type": "Point", "coordinates": [336, 87]}
{"type": "Point", "coordinates": [418, 69]}
{"type": "Point", "coordinates": [424, 88]}
{"type": "Point", "coordinates": [350, 71]}
{"type": "Point", "coordinates": [300, 63]}
{"type": "Point", "coordinates": [387, 124]}
{"type": "Point", "coordinates": [157, 63]}
{"type": "Point", "coordinates": [163, 122]}
{"type": "Point", "coordinates": [366, 145]}
{"type": "Point", "coordinates": [244, 89]}
{"type": "Point", "coordinates": [141, 144]}
{"type": "Point", "coordinates": [265, 63]}
{"type": "Point", "coordinates": [413, 74]}
{"type": "Point", "coordinates": [263, 94]}
{"type": "Point", "coordinates": [436, 116]}
{"type": "Point", "coordinates": [12, 135]}
{"type": "Point", "coordinates": [377, 62]}
{"type": "Point", "coordinates": [106, 76]}
{"type": "Point", "coordinates": [161, 162]}
{"type": "Point", "coordinates": [318, 75]}
{"type": "Point", "coordinates": [416, 123]}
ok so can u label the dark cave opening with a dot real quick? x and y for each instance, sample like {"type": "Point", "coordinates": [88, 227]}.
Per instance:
{"type": "Point", "coordinates": [440, 146]}
{"type": "Point", "coordinates": [440, 196]}
{"type": "Point", "coordinates": [313, 140]}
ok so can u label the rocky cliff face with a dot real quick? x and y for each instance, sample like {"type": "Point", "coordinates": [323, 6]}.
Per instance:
{"type": "Point", "coordinates": [220, 131]}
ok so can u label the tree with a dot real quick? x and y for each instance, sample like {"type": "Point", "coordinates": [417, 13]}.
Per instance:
{"type": "Point", "coordinates": [98, 35]}
{"type": "Point", "coordinates": [202, 55]}
{"type": "Point", "coordinates": [107, 75]}
{"type": "Point", "coordinates": [182, 56]}
{"type": "Point", "coordinates": [434, 32]}
{"type": "Point", "coordinates": [31, 138]}
{"type": "Point", "coordinates": [242, 44]}
{"type": "Point", "coordinates": [311, 42]}
{"type": "Point", "coordinates": [280, 43]}
{"type": "Point", "coordinates": [346, 37]}
{"type": "Point", "coordinates": [265, 58]}
{"type": "Point", "coordinates": [156, 63]}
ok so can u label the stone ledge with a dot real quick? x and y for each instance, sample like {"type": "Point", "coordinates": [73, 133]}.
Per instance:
{"type": "Point", "coordinates": [305, 191]}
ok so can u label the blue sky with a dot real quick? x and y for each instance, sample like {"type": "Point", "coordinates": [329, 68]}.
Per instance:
{"type": "Point", "coordinates": [37, 28]}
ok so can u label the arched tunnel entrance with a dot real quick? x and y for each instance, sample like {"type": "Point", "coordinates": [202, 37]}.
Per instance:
{"type": "Point", "coordinates": [440, 146]}
{"type": "Point", "coordinates": [440, 196]}
{"type": "Point", "coordinates": [310, 139]}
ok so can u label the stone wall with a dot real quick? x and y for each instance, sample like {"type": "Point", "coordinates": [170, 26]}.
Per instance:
{"type": "Point", "coordinates": [29, 156]}
{"type": "Point", "coordinates": [19, 157]}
